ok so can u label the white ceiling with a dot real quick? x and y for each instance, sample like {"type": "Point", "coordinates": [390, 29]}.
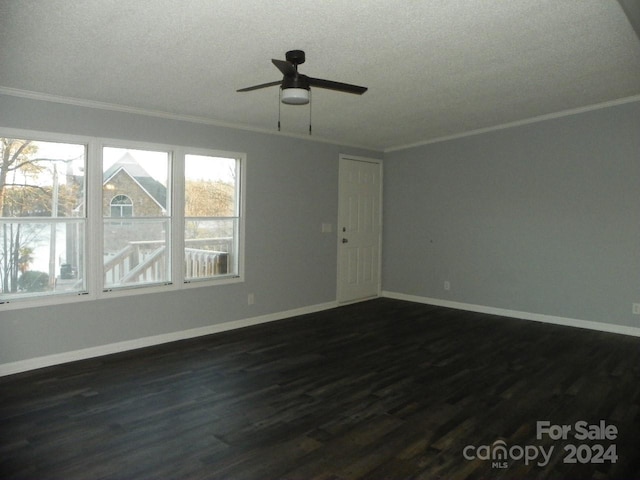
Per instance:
{"type": "Point", "coordinates": [434, 68]}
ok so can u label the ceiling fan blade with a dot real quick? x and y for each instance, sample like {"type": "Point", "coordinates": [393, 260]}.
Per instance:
{"type": "Point", "coordinates": [257, 87]}
{"type": "Point", "coordinates": [339, 86]}
{"type": "Point", "coordinates": [287, 68]}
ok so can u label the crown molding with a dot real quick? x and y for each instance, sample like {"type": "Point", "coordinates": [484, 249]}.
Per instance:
{"type": "Point", "coordinates": [519, 123]}
{"type": "Point", "coordinates": [78, 102]}
{"type": "Point", "coordinates": [208, 121]}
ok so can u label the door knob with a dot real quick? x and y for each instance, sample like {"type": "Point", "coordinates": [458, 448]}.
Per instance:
{"type": "Point", "coordinates": [344, 240]}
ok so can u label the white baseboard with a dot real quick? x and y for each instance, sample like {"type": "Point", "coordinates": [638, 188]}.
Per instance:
{"type": "Point", "coordinates": [92, 352]}
{"type": "Point", "coordinates": [536, 317]}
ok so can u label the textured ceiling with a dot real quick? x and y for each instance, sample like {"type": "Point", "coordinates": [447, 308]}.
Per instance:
{"type": "Point", "coordinates": [434, 68]}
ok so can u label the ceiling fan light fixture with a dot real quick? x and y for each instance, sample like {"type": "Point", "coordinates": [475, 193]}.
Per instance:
{"type": "Point", "coordinates": [295, 96]}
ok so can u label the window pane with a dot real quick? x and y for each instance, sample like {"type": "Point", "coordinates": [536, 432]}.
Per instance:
{"type": "Point", "coordinates": [136, 253]}
{"type": "Point", "coordinates": [44, 258]}
{"type": "Point", "coordinates": [137, 176]}
{"type": "Point", "coordinates": [210, 186]}
{"type": "Point", "coordinates": [43, 179]}
{"type": "Point", "coordinates": [210, 248]}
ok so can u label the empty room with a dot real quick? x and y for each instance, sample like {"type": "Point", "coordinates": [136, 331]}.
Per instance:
{"type": "Point", "coordinates": [319, 240]}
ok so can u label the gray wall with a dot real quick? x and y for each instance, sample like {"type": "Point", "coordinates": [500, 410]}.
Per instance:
{"type": "Point", "coordinates": [542, 218]}
{"type": "Point", "coordinates": [292, 188]}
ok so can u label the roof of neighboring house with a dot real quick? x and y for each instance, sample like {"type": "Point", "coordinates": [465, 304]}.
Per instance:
{"type": "Point", "coordinates": [130, 165]}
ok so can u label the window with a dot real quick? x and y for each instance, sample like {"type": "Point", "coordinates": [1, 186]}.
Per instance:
{"type": "Point", "coordinates": [211, 215]}
{"type": "Point", "coordinates": [121, 206]}
{"type": "Point", "coordinates": [149, 218]}
{"type": "Point", "coordinates": [136, 185]}
{"type": "Point", "coordinates": [42, 218]}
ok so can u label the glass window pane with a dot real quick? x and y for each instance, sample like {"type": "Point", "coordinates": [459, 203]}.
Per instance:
{"type": "Point", "coordinates": [44, 258]}
{"type": "Point", "coordinates": [136, 253]}
{"type": "Point", "coordinates": [210, 186]}
{"type": "Point", "coordinates": [210, 248]}
{"type": "Point", "coordinates": [41, 179]}
{"type": "Point", "coordinates": [137, 176]}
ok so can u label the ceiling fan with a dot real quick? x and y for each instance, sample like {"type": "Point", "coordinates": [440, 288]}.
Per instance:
{"type": "Point", "coordinates": [295, 86]}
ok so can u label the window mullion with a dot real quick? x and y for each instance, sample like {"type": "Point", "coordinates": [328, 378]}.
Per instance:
{"type": "Point", "coordinates": [177, 216]}
{"type": "Point", "coordinates": [94, 261]}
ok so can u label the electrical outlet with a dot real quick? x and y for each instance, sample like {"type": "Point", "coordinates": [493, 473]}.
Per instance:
{"type": "Point", "coordinates": [635, 308]}
{"type": "Point", "coordinates": [447, 285]}
{"type": "Point", "coordinates": [251, 299]}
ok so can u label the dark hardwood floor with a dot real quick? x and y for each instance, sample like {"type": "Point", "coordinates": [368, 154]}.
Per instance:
{"type": "Point", "coordinates": [381, 389]}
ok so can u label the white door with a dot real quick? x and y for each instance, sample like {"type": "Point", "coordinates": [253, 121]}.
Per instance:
{"type": "Point", "coordinates": [359, 228]}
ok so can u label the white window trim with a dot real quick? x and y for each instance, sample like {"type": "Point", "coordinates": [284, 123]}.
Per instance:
{"type": "Point", "coordinates": [94, 219]}
{"type": "Point", "coordinates": [240, 198]}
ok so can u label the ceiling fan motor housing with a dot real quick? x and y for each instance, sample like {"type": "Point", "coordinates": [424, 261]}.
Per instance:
{"type": "Point", "coordinates": [295, 56]}
{"type": "Point", "coordinates": [297, 81]}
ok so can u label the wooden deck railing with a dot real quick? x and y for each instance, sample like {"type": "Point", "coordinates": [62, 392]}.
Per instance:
{"type": "Point", "coordinates": [146, 262]}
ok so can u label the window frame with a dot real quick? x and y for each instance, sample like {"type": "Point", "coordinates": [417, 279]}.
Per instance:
{"type": "Point", "coordinates": [239, 214]}
{"type": "Point", "coordinates": [30, 301]}
{"type": "Point", "coordinates": [179, 197]}
{"type": "Point", "coordinates": [94, 236]}
{"type": "Point", "coordinates": [169, 209]}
